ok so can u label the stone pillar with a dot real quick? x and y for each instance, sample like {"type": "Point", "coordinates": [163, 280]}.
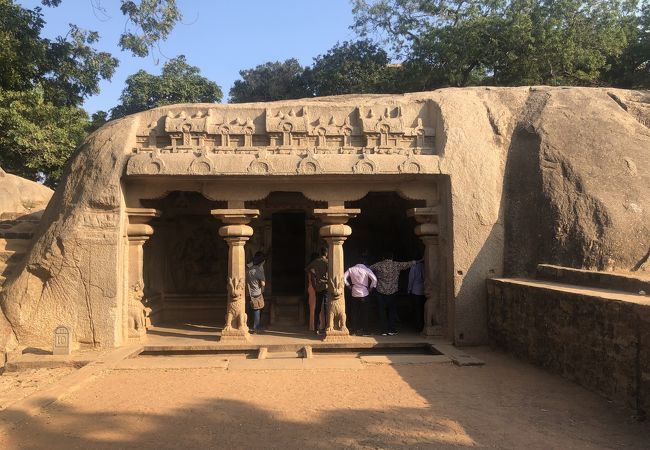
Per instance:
{"type": "Point", "coordinates": [236, 232]}
{"type": "Point", "coordinates": [335, 232]}
{"type": "Point", "coordinates": [136, 315]}
{"type": "Point", "coordinates": [309, 238]}
{"type": "Point", "coordinates": [427, 230]}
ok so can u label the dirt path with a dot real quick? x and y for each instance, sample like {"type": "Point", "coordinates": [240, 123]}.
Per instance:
{"type": "Point", "coordinates": [505, 404]}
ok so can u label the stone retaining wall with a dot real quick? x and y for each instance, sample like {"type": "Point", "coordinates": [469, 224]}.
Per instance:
{"type": "Point", "coordinates": [600, 343]}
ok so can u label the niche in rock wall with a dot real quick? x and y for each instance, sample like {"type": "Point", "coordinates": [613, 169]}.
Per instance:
{"type": "Point", "coordinates": [185, 255]}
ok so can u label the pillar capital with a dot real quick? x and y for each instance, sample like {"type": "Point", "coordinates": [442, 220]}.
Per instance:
{"type": "Point", "coordinates": [336, 215]}
{"type": "Point", "coordinates": [235, 216]}
{"type": "Point", "coordinates": [424, 215]}
{"type": "Point", "coordinates": [427, 219]}
{"type": "Point", "coordinates": [138, 228]}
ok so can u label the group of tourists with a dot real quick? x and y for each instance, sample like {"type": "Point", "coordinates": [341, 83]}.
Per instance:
{"type": "Point", "coordinates": [362, 280]}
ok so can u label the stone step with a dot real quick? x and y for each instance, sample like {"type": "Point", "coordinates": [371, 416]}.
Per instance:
{"type": "Point", "coordinates": [631, 283]}
{"type": "Point", "coordinates": [10, 234]}
{"type": "Point", "coordinates": [16, 245]}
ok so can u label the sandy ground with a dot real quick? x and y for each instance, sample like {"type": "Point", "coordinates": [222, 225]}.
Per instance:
{"type": "Point", "coordinates": [504, 404]}
{"type": "Point", "coordinates": [17, 385]}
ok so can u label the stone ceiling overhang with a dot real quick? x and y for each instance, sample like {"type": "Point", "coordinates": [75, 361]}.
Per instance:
{"type": "Point", "coordinates": [318, 187]}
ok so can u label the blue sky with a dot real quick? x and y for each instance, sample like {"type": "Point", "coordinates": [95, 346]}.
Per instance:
{"type": "Point", "coordinates": [221, 37]}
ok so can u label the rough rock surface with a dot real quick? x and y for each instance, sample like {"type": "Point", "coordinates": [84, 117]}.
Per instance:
{"type": "Point", "coordinates": [536, 175]}
{"type": "Point", "coordinates": [21, 203]}
{"type": "Point", "coordinates": [21, 196]}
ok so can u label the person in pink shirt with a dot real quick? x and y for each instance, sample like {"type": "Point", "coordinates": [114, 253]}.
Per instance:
{"type": "Point", "coordinates": [361, 280]}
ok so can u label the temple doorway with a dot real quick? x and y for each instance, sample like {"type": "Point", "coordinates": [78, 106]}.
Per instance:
{"type": "Point", "coordinates": [288, 253]}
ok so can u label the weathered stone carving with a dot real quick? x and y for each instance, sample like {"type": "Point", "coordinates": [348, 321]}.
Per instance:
{"type": "Point", "coordinates": [309, 165]}
{"type": "Point", "coordinates": [201, 166]}
{"type": "Point", "coordinates": [138, 313]}
{"type": "Point", "coordinates": [236, 310]}
{"type": "Point", "coordinates": [260, 166]}
{"type": "Point", "coordinates": [410, 165]}
{"type": "Point", "coordinates": [431, 308]}
{"type": "Point", "coordinates": [62, 341]}
{"type": "Point", "coordinates": [331, 129]}
{"type": "Point", "coordinates": [364, 166]}
{"type": "Point", "coordinates": [336, 316]}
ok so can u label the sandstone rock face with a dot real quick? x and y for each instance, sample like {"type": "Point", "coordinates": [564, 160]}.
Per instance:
{"type": "Point", "coordinates": [21, 196]}
{"type": "Point", "coordinates": [21, 204]}
{"type": "Point", "coordinates": [524, 176]}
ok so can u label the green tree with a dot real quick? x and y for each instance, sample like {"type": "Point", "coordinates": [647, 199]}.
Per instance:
{"type": "Point", "coordinates": [460, 42]}
{"type": "Point", "coordinates": [270, 81]}
{"type": "Point", "coordinates": [351, 68]}
{"type": "Point", "coordinates": [148, 22]}
{"type": "Point", "coordinates": [37, 137]}
{"type": "Point", "coordinates": [42, 85]}
{"type": "Point", "coordinates": [179, 82]}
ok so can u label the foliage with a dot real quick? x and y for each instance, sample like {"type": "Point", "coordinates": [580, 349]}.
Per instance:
{"type": "Point", "coordinates": [270, 81]}
{"type": "Point", "coordinates": [37, 137]}
{"type": "Point", "coordinates": [151, 21]}
{"type": "Point", "coordinates": [42, 85]}
{"type": "Point", "coordinates": [179, 82]}
{"type": "Point", "coordinates": [350, 67]}
{"type": "Point", "coordinates": [461, 42]}
{"type": "Point", "coordinates": [67, 68]}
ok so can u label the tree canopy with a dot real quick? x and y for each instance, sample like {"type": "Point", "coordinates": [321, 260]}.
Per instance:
{"type": "Point", "coordinates": [270, 81]}
{"type": "Point", "coordinates": [179, 82]}
{"type": "Point", "coordinates": [350, 68]}
{"type": "Point", "coordinates": [43, 82]}
{"type": "Point", "coordinates": [516, 42]}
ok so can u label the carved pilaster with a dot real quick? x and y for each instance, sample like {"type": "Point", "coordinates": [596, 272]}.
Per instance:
{"type": "Point", "coordinates": [427, 230]}
{"type": "Point", "coordinates": [236, 232]}
{"type": "Point", "coordinates": [335, 232]}
{"type": "Point", "coordinates": [135, 317]}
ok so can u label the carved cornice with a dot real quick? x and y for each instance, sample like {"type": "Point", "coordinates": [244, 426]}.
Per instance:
{"type": "Point", "coordinates": [285, 130]}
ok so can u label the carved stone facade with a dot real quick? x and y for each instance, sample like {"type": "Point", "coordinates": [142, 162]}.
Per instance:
{"type": "Point", "coordinates": [286, 140]}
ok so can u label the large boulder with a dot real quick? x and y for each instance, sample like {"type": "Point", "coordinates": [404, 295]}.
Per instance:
{"type": "Point", "coordinates": [21, 202]}
{"type": "Point", "coordinates": [578, 181]}
{"type": "Point", "coordinates": [21, 196]}
{"type": "Point", "coordinates": [529, 175]}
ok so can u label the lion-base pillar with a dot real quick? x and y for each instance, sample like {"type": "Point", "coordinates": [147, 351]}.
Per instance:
{"type": "Point", "coordinates": [428, 231]}
{"type": "Point", "coordinates": [335, 232]}
{"type": "Point", "coordinates": [236, 232]}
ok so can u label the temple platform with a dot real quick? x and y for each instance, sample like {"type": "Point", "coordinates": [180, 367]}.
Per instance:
{"type": "Point", "coordinates": [179, 339]}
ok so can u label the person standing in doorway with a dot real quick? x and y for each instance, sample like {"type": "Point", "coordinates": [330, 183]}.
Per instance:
{"type": "Point", "coordinates": [361, 281]}
{"type": "Point", "coordinates": [387, 272]}
{"type": "Point", "coordinates": [255, 282]}
{"type": "Point", "coordinates": [317, 271]}
{"type": "Point", "coordinates": [311, 295]}
{"type": "Point", "coordinates": [416, 291]}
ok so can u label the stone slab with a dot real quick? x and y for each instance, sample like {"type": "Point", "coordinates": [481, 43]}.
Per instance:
{"type": "Point", "coordinates": [295, 363]}
{"type": "Point", "coordinates": [29, 362]}
{"type": "Point", "coordinates": [628, 282]}
{"type": "Point", "coordinates": [173, 362]}
{"type": "Point", "coordinates": [405, 359]}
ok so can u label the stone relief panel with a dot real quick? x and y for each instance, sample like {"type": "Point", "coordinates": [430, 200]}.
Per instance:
{"type": "Point", "coordinates": [195, 257]}
{"type": "Point", "coordinates": [183, 143]}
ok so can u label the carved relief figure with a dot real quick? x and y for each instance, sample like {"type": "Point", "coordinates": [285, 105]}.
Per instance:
{"type": "Point", "coordinates": [138, 313]}
{"type": "Point", "coordinates": [236, 309]}
{"type": "Point", "coordinates": [336, 318]}
{"type": "Point", "coordinates": [431, 309]}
